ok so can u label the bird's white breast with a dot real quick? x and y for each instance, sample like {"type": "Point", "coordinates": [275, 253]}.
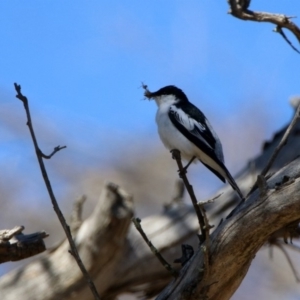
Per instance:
{"type": "Point", "coordinates": [170, 136]}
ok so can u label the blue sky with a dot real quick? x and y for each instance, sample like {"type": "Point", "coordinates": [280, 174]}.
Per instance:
{"type": "Point", "coordinates": [81, 64]}
{"type": "Point", "coordinates": [86, 60]}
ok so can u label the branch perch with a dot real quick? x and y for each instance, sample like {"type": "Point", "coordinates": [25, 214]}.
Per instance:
{"type": "Point", "coordinates": [278, 208]}
{"type": "Point", "coordinates": [137, 224]}
{"type": "Point", "coordinates": [198, 208]}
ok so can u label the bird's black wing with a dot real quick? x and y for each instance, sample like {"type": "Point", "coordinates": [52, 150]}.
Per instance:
{"type": "Point", "coordinates": [194, 126]}
{"type": "Point", "coordinates": [191, 122]}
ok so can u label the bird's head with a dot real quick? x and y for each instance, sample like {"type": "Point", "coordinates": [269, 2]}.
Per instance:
{"type": "Point", "coordinates": [168, 94]}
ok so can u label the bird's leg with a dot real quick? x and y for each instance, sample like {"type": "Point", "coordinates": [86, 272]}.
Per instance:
{"type": "Point", "coordinates": [176, 156]}
{"type": "Point", "coordinates": [188, 164]}
{"type": "Point", "coordinates": [184, 169]}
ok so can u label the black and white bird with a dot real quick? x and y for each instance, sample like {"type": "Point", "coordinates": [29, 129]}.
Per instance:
{"type": "Point", "coordinates": [182, 126]}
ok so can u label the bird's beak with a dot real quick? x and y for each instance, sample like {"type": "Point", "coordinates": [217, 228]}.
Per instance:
{"type": "Point", "coordinates": [147, 93]}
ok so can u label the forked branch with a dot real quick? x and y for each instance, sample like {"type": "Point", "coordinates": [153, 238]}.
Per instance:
{"type": "Point", "coordinates": [56, 208]}
{"type": "Point", "coordinates": [239, 9]}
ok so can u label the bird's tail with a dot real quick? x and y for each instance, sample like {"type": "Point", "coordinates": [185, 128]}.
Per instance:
{"type": "Point", "coordinates": [221, 171]}
{"type": "Point", "coordinates": [233, 184]}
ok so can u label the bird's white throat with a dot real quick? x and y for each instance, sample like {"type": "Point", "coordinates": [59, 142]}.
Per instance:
{"type": "Point", "coordinates": [165, 100]}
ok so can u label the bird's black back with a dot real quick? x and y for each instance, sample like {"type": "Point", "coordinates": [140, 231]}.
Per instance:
{"type": "Point", "coordinates": [196, 114]}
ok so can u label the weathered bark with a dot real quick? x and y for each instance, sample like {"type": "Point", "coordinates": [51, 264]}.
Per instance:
{"type": "Point", "coordinates": [14, 245]}
{"type": "Point", "coordinates": [235, 242]}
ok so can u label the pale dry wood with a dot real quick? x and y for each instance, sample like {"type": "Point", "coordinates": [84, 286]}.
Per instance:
{"type": "Point", "coordinates": [139, 270]}
{"type": "Point", "coordinates": [112, 251]}
{"type": "Point", "coordinates": [100, 241]}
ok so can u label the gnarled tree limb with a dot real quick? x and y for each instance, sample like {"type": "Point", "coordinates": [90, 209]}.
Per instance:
{"type": "Point", "coordinates": [239, 9]}
{"type": "Point", "coordinates": [235, 242]}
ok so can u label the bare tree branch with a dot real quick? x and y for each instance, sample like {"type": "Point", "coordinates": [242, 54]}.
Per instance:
{"type": "Point", "coordinates": [14, 245]}
{"type": "Point", "coordinates": [262, 215]}
{"type": "Point", "coordinates": [281, 246]}
{"type": "Point", "coordinates": [56, 149]}
{"type": "Point", "coordinates": [137, 224]}
{"type": "Point", "coordinates": [239, 9]}
{"type": "Point", "coordinates": [190, 190]}
{"type": "Point", "coordinates": [60, 215]}
{"type": "Point", "coordinates": [282, 142]}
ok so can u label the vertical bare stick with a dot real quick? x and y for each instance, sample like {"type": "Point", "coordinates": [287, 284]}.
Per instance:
{"type": "Point", "coordinates": [282, 142]}
{"type": "Point", "coordinates": [56, 208]}
{"type": "Point", "coordinates": [206, 246]}
{"type": "Point", "coordinates": [189, 188]}
{"type": "Point", "coordinates": [137, 224]}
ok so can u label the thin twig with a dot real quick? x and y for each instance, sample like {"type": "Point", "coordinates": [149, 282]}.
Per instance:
{"type": "Point", "coordinates": [137, 224]}
{"type": "Point", "coordinates": [182, 174]}
{"type": "Point", "coordinates": [177, 199]}
{"type": "Point", "coordinates": [280, 20]}
{"type": "Point", "coordinates": [292, 246]}
{"type": "Point", "coordinates": [56, 208]}
{"type": "Point", "coordinates": [206, 248]}
{"type": "Point", "coordinates": [281, 247]}
{"type": "Point", "coordinates": [279, 30]}
{"type": "Point", "coordinates": [56, 149]}
{"type": "Point", "coordinates": [210, 200]}
{"type": "Point", "coordinates": [282, 142]}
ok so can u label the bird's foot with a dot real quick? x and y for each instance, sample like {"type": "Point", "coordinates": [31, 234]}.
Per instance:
{"type": "Point", "coordinates": [175, 154]}
{"type": "Point", "coordinates": [183, 171]}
